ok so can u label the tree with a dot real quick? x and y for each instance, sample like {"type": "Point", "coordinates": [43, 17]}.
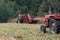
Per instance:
{"type": "Point", "coordinates": [6, 10]}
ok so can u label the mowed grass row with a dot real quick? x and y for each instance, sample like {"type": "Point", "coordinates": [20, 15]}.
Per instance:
{"type": "Point", "coordinates": [26, 32]}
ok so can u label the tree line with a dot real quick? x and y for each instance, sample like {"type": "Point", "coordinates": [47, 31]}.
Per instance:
{"type": "Point", "coordinates": [11, 8]}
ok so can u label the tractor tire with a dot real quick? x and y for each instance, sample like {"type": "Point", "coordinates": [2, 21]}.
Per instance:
{"type": "Point", "coordinates": [58, 26]}
{"type": "Point", "coordinates": [20, 21]}
{"type": "Point", "coordinates": [43, 28]}
{"type": "Point", "coordinates": [53, 26]}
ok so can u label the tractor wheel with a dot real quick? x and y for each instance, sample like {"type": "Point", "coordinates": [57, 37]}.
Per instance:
{"type": "Point", "coordinates": [19, 21]}
{"type": "Point", "coordinates": [43, 28]}
{"type": "Point", "coordinates": [52, 26]}
{"type": "Point", "coordinates": [58, 26]}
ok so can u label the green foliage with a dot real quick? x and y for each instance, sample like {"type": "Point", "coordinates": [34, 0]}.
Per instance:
{"type": "Point", "coordinates": [11, 8]}
{"type": "Point", "coordinates": [6, 10]}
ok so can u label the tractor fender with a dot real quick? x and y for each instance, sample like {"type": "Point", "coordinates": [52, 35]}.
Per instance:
{"type": "Point", "coordinates": [47, 18]}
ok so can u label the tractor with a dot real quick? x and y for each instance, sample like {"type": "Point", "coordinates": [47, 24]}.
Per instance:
{"type": "Point", "coordinates": [26, 18]}
{"type": "Point", "coordinates": [52, 21]}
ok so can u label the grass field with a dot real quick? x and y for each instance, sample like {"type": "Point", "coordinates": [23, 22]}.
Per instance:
{"type": "Point", "coordinates": [26, 32]}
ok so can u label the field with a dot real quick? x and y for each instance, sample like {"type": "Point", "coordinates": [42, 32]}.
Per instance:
{"type": "Point", "coordinates": [13, 31]}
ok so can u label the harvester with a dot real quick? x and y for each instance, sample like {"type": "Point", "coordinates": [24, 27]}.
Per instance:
{"type": "Point", "coordinates": [26, 18]}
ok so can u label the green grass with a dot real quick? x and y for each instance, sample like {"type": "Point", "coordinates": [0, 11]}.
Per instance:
{"type": "Point", "coordinates": [26, 32]}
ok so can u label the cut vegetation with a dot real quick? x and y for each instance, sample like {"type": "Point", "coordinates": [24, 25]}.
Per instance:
{"type": "Point", "coordinates": [25, 32]}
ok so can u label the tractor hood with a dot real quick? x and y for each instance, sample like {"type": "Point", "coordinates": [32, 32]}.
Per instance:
{"type": "Point", "coordinates": [56, 16]}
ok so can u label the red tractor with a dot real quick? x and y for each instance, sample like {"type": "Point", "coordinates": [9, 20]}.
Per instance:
{"type": "Point", "coordinates": [52, 21]}
{"type": "Point", "coordinates": [27, 19]}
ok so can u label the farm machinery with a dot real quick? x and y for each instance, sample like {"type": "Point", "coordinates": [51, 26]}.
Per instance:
{"type": "Point", "coordinates": [26, 18]}
{"type": "Point", "coordinates": [52, 21]}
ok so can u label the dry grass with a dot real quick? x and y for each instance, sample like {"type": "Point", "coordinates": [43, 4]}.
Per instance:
{"type": "Point", "coordinates": [12, 20]}
{"type": "Point", "coordinates": [41, 20]}
{"type": "Point", "coordinates": [4, 37]}
{"type": "Point", "coordinates": [24, 32]}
